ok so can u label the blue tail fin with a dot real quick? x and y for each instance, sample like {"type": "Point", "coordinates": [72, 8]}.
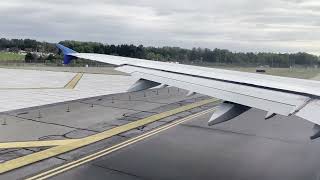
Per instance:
{"type": "Point", "coordinates": [67, 53]}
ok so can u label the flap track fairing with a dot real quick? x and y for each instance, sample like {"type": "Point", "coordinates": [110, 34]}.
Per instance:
{"type": "Point", "coordinates": [142, 84]}
{"type": "Point", "coordinates": [226, 111]}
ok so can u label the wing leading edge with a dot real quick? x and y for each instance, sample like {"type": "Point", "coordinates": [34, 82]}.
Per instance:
{"type": "Point", "coordinates": [239, 90]}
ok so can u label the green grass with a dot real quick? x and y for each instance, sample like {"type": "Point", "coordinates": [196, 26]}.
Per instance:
{"type": "Point", "coordinates": [6, 56]}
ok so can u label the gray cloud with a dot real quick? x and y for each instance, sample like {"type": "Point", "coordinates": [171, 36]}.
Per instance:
{"type": "Point", "coordinates": [238, 25]}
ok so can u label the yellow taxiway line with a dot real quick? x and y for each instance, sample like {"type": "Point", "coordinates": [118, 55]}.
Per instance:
{"type": "Point", "coordinates": [54, 151]}
{"type": "Point", "coordinates": [109, 150]}
{"type": "Point", "coordinates": [30, 144]}
{"type": "Point", "coordinates": [74, 81]}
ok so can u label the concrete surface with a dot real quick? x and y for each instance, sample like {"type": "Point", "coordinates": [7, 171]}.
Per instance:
{"type": "Point", "coordinates": [59, 119]}
{"type": "Point", "coordinates": [19, 78]}
{"type": "Point", "coordinates": [28, 88]}
{"type": "Point", "coordinates": [99, 70]}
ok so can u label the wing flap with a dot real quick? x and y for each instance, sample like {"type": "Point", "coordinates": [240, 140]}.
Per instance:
{"type": "Point", "coordinates": [265, 99]}
{"type": "Point", "coordinates": [311, 111]}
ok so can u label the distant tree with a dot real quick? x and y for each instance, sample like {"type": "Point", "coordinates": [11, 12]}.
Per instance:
{"type": "Point", "coordinates": [30, 58]}
{"type": "Point", "coordinates": [50, 57]}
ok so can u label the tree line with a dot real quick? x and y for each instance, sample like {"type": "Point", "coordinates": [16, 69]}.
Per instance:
{"type": "Point", "coordinates": [30, 45]}
{"type": "Point", "coordinates": [173, 54]}
{"type": "Point", "coordinates": [198, 55]}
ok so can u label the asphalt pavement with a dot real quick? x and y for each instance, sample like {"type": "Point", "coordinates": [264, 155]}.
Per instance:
{"type": "Point", "coordinates": [246, 148]}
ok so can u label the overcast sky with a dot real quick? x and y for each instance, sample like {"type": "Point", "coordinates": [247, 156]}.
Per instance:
{"type": "Point", "coordinates": [237, 25]}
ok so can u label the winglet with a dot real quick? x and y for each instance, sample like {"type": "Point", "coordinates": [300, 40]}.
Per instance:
{"type": "Point", "coordinates": [67, 53]}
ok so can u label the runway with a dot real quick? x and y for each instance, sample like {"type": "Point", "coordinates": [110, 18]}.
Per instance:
{"type": "Point", "coordinates": [192, 150]}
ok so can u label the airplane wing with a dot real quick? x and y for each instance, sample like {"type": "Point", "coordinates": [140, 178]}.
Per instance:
{"type": "Point", "coordinates": [239, 90]}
